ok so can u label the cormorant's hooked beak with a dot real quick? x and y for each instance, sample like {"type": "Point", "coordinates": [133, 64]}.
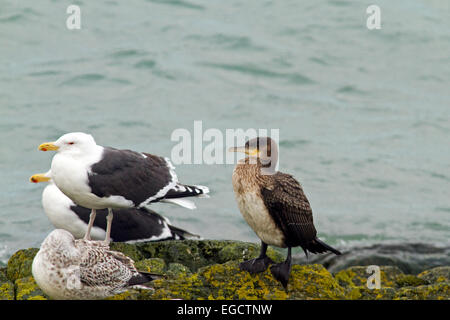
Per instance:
{"type": "Point", "coordinates": [250, 152]}
{"type": "Point", "coordinates": [48, 146]}
{"type": "Point", "coordinates": [39, 177]}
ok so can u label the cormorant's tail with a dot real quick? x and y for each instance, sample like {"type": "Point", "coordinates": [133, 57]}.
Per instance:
{"type": "Point", "coordinates": [318, 246]}
{"type": "Point", "coordinates": [183, 234]}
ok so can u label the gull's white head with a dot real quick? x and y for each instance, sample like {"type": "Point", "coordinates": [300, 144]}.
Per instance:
{"type": "Point", "coordinates": [74, 143]}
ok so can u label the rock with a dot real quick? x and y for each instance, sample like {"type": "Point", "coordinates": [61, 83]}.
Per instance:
{"type": "Point", "coordinates": [6, 286]}
{"type": "Point", "coordinates": [411, 258]}
{"type": "Point", "coordinates": [194, 254]}
{"type": "Point", "coordinates": [209, 269]}
{"type": "Point", "coordinates": [19, 265]}
{"type": "Point", "coordinates": [6, 289]}
{"type": "Point", "coordinates": [153, 265]}
{"type": "Point", "coordinates": [227, 281]}
{"type": "Point", "coordinates": [314, 282]}
{"type": "Point", "coordinates": [130, 250]}
{"type": "Point", "coordinates": [245, 251]}
{"type": "Point", "coordinates": [436, 275]}
{"type": "Point", "coordinates": [127, 295]}
{"type": "Point", "coordinates": [409, 280]}
{"type": "Point", "coordinates": [357, 277]}
{"type": "Point", "coordinates": [27, 289]}
{"type": "Point", "coordinates": [438, 291]}
{"type": "Point", "coordinates": [394, 285]}
{"type": "Point", "coordinates": [3, 277]}
{"type": "Point", "coordinates": [176, 269]}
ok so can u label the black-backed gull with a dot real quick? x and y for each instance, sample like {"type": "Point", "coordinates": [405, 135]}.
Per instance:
{"type": "Point", "coordinates": [99, 177]}
{"type": "Point", "coordinates": [130, 225]}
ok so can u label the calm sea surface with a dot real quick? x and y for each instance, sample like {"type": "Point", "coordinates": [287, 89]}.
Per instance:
{"type": "Point", "coordinates": [364, 116]}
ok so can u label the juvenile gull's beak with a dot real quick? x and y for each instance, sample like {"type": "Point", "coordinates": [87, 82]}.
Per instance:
{"type": "Point", "coordinates": [48, 146]}
{"type": "Point", "coordinates": [39, 177]}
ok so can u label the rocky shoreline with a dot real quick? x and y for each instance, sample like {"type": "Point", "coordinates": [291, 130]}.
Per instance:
{"type": "Point", "coordinates": [208, 269]}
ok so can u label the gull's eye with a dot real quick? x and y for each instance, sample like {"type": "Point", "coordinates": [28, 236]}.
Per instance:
{"type": "Point", "coordinates": [70, 142]}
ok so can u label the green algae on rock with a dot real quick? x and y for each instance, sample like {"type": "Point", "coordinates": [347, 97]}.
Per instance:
{"type": "Point", "coordinates": [194, 254]}
{"type": "Point", "coordinates": [19, 265]}
{"type": "Point", "coordinates": [394, 284]}
{"type": "Point", "coordinates": [175, 269]}
{"type": "Point", "coordinates": [357, 276]}
{"type": "Point", "coordinates": [436, 275]}
{"type": "Point", "coordinates": [437, 291]}
{"type": "Point", "coordinates": [27, 289]}
{"type": "Point", "coordinates": [209, 269]}
{"type": "Point", "coordinates": [7, 291]}
{"type": "Point", "coordinates": [227, 281]}
{"type": "Point", "coordinates": [3, 276]}
{"type": "Point", "coordinates": [153, 265]}
{"type": "Point", "coordinates": [6, 286]}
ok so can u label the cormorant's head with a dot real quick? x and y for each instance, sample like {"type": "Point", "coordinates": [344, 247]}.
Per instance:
{"type": "Point", "coordinates": [263, 149]}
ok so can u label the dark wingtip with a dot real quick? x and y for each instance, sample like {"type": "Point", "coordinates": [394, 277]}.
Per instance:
{"type": "Point", "coordinates": [183, 234]}
{"type": "Point", "coordinates": [144, 277]}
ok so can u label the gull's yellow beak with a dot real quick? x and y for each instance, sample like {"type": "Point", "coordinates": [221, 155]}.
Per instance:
{"type": "Point", "coordinates": [40, 177]}
{"type": "Point", "coordinates": [48, 146]}
{"type": "Point", "coordinates": [250, 152]}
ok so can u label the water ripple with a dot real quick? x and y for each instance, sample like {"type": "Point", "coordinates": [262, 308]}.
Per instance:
{"type": "Point", "coordinates": [377, 183]}
{"type": "Point", "coordinates": [145, 64]}
{"type": "Point", "coordinates": [179, 3]}
{"type": "Point", "coordinates": [252, 70]}
{"type": "Point", "coordinates": [84, 79]}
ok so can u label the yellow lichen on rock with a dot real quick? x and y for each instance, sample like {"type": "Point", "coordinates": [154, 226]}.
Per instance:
{"type": "Point", "coordinates": [19, 265]}
{"type": "Point", "coordinates": [313, 282]}
{"type": "Point", "coordinates": [27, 289]}
{"type": "Point", "coordinates": [6, 291]}
{"type": "Point", "coordinates": [209, 269]}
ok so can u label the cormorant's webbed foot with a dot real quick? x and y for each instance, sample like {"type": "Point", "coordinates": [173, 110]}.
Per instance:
{"type": "Point", "coordinates": [259, 264]}
{"type": "Point", "coordinates": [281, 271]}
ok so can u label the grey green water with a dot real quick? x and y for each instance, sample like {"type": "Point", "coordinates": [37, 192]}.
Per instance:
{"type": "Point", "coordinates": [364, 115]}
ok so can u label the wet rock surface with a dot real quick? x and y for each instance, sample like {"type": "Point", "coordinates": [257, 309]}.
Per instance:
{"type": "Point", "coordinates": [411, 258]}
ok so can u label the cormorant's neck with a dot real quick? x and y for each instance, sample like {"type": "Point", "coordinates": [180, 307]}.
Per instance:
{"type": "Point", "coordinates": [261, 166]}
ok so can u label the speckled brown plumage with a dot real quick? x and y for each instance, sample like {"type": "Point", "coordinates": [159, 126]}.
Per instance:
{"type": "Point", "coordinates": [283, 198]}
{"type": "Point", "coordinates": [65, 268]}
{"type": "Point", "coordinates": [289, 207]}
{"type": "Point", "coordinates": [275, 207]}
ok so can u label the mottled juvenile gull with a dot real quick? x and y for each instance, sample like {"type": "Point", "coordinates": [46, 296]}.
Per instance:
{"type": "Point", "coordinates": [275, 207]}
{"type": "Point", "coordinates": [99, 177]}
{"type": "Point", "coordinates": [130, 225]}
{"type": "Point", "coordinates": [69, 269]}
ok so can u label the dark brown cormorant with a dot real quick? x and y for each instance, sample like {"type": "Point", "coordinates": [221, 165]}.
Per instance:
{"type": "Point", "coordinates": [275, 207]}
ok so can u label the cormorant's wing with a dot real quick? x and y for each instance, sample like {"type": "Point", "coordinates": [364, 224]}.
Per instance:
{"type": "Point", "coordinates": [290, 209]}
